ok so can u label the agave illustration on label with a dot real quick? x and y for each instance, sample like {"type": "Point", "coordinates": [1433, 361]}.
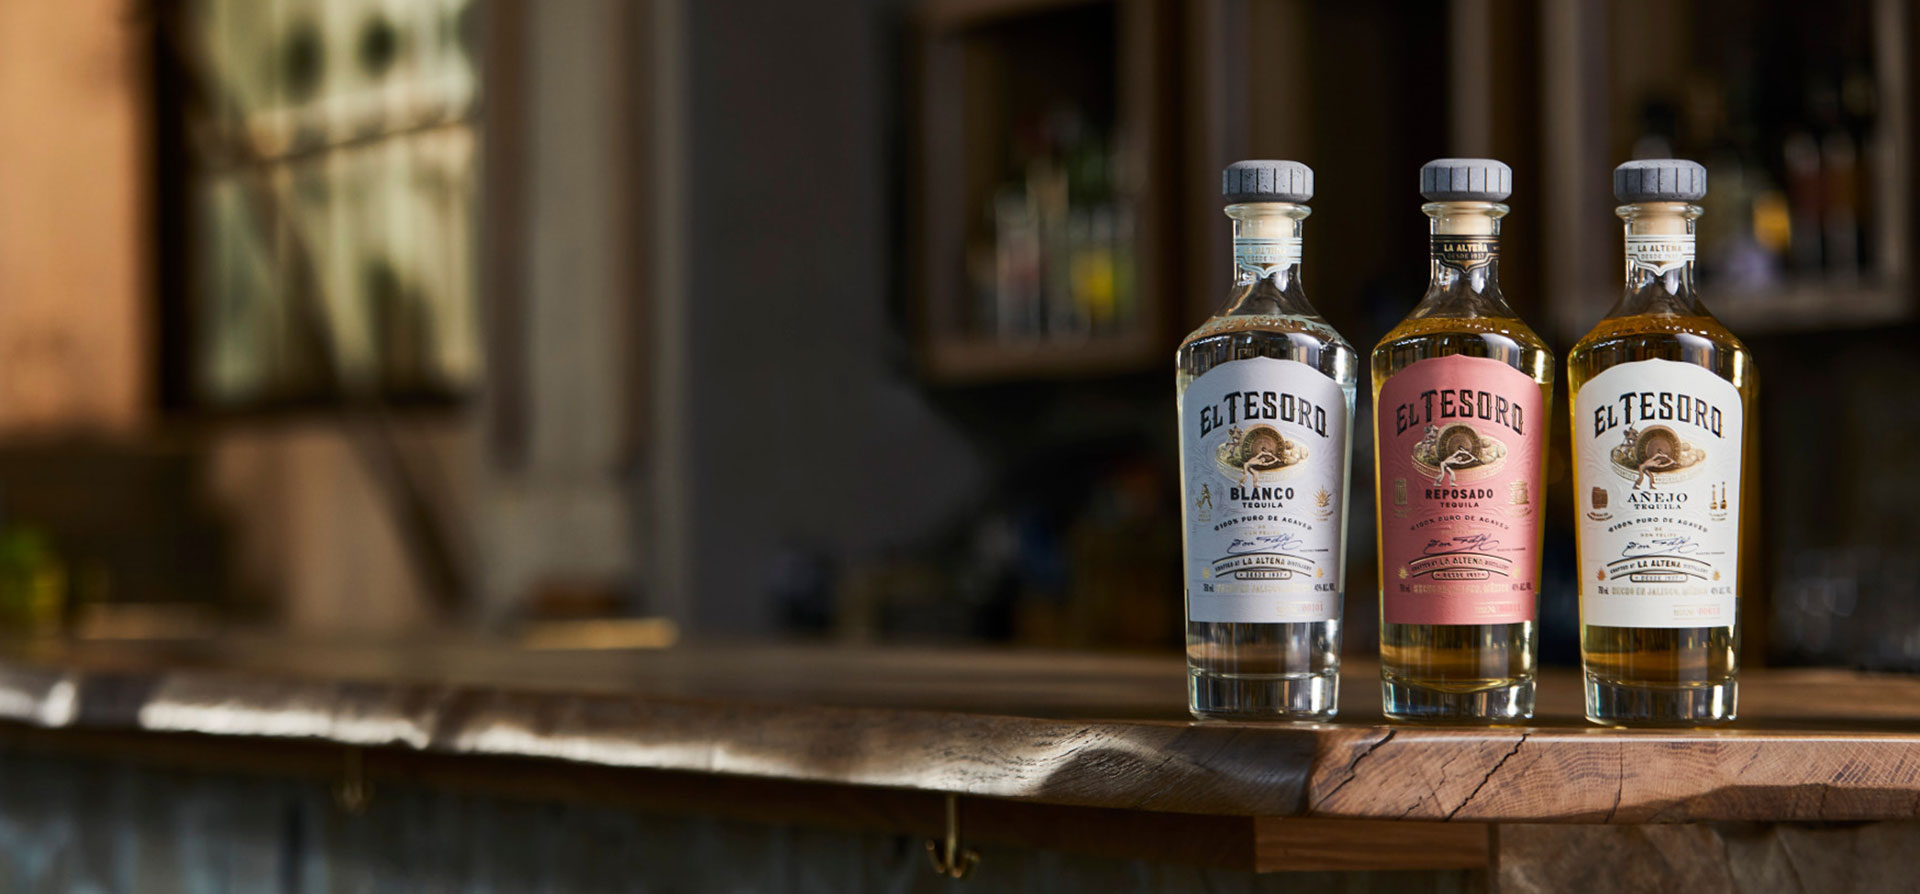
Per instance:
{"type": "Point", "coordinates": [1457, 453]}
{"type": "Point", "coordinates": [1653, 455]}
{"type": "Point", "coordinates": [1258, 449]}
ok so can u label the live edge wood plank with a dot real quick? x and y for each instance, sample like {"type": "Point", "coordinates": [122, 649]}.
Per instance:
{"type": "Point", "coordinates": [1062, 730]}
{"type": "Point", "coordinates": [1260, 844]}
{"type": "Point", "coordinates": [1616, 777]}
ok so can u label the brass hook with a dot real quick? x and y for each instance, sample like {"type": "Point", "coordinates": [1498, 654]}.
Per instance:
{"type": "Point", "coordinates": [353, 792]}
{"type": "Point", "coordinates": [951, 861]}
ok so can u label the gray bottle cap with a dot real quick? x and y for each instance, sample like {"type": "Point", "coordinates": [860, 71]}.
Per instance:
{"type": "Point", "coordinates": [1267, 181]}
{"type": "Point", "coordinates": [1466, 180]}
{"type": "Point", "coordinates": [1660, 180]}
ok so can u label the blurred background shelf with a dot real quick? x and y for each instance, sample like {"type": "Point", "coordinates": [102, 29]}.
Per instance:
{"type": "Point", "coordinates": [958, 15]}
{"type": "Point", "coordinates": [1812, 307]}
{"type": "Point", "coordinates": [1804, 118]}
{"type": "Point", "coordinates": [1040, 177]}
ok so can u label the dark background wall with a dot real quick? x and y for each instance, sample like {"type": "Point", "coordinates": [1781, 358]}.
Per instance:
{"type": "Point", "coordinates": [811, 433]}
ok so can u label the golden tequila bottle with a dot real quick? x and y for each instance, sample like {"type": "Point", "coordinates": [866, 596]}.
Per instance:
{"type": "Point", "coordinates": [1462, 390]}
{"type": "Point", "coordinates": [1663, 403]}
{"type": "Point", "coordinates": [1265, 392]}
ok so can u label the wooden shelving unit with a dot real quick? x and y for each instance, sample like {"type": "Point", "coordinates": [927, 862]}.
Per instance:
{"type": "Point", "coordinates": [1813, 306]}
{"type": "Point", "coordinates": [980, 70]}
{"type": "Point", "coordinates": [1608, 64]}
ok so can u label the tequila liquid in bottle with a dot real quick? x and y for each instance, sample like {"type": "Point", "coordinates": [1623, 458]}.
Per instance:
{"type": "Point", "coordinates": [1462, 390]}
{"type": "Point", "coordinates": [1266, 392]}
{"type": "Point", "coordinates": [1663, 403]}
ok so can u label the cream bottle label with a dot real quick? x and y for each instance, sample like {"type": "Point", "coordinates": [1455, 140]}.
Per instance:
{"type": "Point", "coordinates": [1459, 445]}
{"type": "Point", "coordinates": [1264, 453]}
{"type": "Point", "coordinates": [1658, 446]}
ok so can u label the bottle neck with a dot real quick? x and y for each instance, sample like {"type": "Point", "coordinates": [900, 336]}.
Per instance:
{"type": "Point", "coordinates": [1266, 258]}
{"type": "Point", "coordinates": [1659, 259]}
{"type": "Point", "coordinates": [1266, 241]}
{"type": "Point", "coordinates": [1463, 260]}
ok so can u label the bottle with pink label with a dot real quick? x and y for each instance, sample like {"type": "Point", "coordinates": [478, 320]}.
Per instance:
{"type": "Point", "coordinates": [1461, 391]}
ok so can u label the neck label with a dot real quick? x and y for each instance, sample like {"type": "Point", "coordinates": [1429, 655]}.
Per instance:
{"type": "Point", "coordinates": [1464, 253]}
{"type": "Point", "coordinates": [1262, 256]}
{"type": "Point", "coordinates": [1264, 447]}
{"type": "Point", "coordinates": [1659, 254]}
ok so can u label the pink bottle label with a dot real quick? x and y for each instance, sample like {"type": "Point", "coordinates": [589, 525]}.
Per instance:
{"type": "Point", "coordinates": [1459, 443]}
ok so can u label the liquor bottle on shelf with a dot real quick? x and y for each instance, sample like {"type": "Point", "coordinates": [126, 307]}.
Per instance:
{"type": "Point", "coordinates": [1461, 394]}
{"type": "Point", "coordinates": [1265, 394]}
{"type": "Point", "coordinates": [1663, 401]}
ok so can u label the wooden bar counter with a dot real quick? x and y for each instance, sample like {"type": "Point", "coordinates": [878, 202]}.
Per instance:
{"type": "Point", "coordinates": [1078, 752]}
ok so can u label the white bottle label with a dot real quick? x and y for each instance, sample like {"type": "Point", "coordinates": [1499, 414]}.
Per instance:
{"type": "Point", "coordinates": [1659, 450]}
{"type": "Point", "coordinates": [1660, 254]}
{"type": "Point", "coordinates": [1259, 257]}
{"type": "Point", "coordinates": [1264, 445]}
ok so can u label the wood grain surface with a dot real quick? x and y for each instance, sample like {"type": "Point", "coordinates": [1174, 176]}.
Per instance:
{"type": "Point", "coordinates": [1074, 730]}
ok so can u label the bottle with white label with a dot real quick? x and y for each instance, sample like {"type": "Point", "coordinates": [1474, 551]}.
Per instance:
{"type": "Point", "coordinates": [1462, 389]}
{"type": "Point", "coordinates": [1265, 393]}
{"type": "Point", "coordinates": [1663, 401]}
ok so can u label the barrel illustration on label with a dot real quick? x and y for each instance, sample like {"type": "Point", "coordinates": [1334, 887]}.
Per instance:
{"type": "Point", "coordinates": [1265, 444]}
{"type": "Point", "coordinates": [1460, 453]}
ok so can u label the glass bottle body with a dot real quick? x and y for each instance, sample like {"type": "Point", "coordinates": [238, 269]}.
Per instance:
{"type": "Point", "coordinates": [1251, 669]}
{"type": "Point", "coordinates": [1674, 675]}
{"type": "Point", "coordinates": [1452, 672]}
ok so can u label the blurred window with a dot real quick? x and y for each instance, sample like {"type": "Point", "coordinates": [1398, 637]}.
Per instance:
{"type": "Point", "coordinates": [326, 210]}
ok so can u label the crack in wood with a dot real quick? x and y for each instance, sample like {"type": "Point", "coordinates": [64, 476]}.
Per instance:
{"type": "Point", "coordinates": [1620, 784]}
{"type": "Point", "coordinates": [1355, 763]}
{"type": "Point", "coordinates": [1489, 777]}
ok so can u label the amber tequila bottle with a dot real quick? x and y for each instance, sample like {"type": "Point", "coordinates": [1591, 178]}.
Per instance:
{"type": "Point", "coordinates": [1461, 392]}
{"type": "Point", "coordinates": [1663, 402]}
{"type": "Point", "coordinates": [1265, 392]}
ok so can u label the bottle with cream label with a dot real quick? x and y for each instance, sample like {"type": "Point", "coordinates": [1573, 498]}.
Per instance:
{"type": "Point", "coordinates": [1265, 401]}
{"type": "Point", "coordinates": [1663, 399]}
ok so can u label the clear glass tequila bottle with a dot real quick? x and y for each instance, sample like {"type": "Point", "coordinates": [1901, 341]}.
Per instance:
{"type": "Point", "coordinates": [1662, 429]}
{"type": "Point", "coordinates": [1462, 390]}
{"type": "Point", "coordinates": [1265, 393]}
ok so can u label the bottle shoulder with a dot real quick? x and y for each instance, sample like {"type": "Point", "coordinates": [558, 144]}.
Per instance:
{"type": "Point", "coordinates": [1503, 339]}
{"type": "Point", "coordinates": [1286, 325]}
{"type": "Point", "coordinates": [1508, 331]}
{"type": "Point", "coordinates": [1653, 329]}
{"type": "Point", "coordinates": [1697, 340]}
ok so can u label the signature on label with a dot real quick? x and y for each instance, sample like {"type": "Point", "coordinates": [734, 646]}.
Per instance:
{"type": "Point", "coordinates": [1265, 543]}
{"type": "Point", "coordinates": [1659, 546]}
{"type": "Point", "coordinates": [1465, 543]}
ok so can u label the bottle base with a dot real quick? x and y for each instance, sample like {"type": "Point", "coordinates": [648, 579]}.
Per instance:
{"type": "Point", "coordinates": [1405, 701]}
{"type": "Point", "coordinates": [1215, 696]}
{"type": "Point", "coordinates": [1612, 703]}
